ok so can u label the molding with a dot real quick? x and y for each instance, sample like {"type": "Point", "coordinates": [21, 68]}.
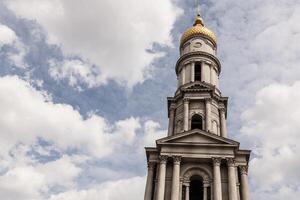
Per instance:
{"type": "Point", "coordinates": [198, 53]}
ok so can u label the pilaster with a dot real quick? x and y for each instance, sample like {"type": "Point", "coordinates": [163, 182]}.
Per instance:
{"type": "Point", "coordinates": [223, 122]}
{"type": "Point", "coordinates": [208, 114]}
{"type": "Point", "coordinates": [186, 114]}
{"type": "Point", "coordinates": [171, 119]}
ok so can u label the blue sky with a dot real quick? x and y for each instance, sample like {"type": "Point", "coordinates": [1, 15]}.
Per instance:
{"type": "Point", "coordinates": [83, 89]}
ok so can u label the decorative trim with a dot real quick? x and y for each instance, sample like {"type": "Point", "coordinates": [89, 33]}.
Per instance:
{"type": "Point", "coordinates": [151, 165]}
{"type": "Point", "coordinates": [217, 161]}
{"type": "Point", "coordinates": [176, 159]}
{"type": "Point", "coordinates": [163, 159]}
{"type": "Point", "coordinates": [186, 100]}
{"type": "Point", "coordinates": [243, 169]}
{"type": "Point", "coordinates": [195, 171]}
{"type": "Point", "coordinates": [230, 162]}
{"type": "Point", "coordinates": [172, 106]}
{"type": "Point", "coordinates": [201, 53]}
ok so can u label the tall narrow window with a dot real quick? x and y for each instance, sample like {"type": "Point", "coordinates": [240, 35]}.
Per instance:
{"type": "Point", "coordinates": [197, 72]}
{"type": "Point", "coordinates": [197, 122]}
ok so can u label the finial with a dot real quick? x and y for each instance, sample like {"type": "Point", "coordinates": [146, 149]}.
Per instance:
{"type": "Point", "coordinates": [198, 13]}
{"type": "Point", "coordinates": [198, 20]}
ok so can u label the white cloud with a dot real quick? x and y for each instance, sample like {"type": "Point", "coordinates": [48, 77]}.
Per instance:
{"type": "Point", "coordinates": [127, 189]}
{"type": "Point", "coordinates": [112, 35]}
{"type": "Point", "coordinates": [74, 71]}
{"type": "Point", "coordinates": [272, 126]}
{"type": "Point", "coordinates": [152, 133]}
{"type": "Point", "coordinates": [9, 37]}
{"type": "Point", "coordinates": [36, 116]}
{"type": "Point", "coordinates": [257, 45]}
{"type": "Point", "coordinates": [24, 178]}
{"type": "Point", "coordinates": [50, 144]}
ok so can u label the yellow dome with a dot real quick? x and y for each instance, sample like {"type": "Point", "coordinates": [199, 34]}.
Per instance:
{"type": "Point", "coordinates": [198, 29]}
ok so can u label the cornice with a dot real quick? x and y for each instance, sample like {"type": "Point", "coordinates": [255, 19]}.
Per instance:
{"type": "Point", "coordinates": [211, 89]}
{"type": "Point", "coordinates": [197, 53]}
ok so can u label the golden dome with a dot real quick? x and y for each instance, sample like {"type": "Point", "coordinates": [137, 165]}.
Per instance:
{"type": "Point", "coordinates": [198, 29]}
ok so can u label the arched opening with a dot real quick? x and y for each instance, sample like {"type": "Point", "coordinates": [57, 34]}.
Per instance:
{"type": "Point", "coordinates": [196, 122]}
{"type": "Point", "coordinates": [197, 72]}
{"type": "Point", "coordinates": [196, 188]}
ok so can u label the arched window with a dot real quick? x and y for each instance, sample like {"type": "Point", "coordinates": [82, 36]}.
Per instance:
{"type": "Point", "coordinates": [196, 122]}
{"type": "Point", "coordinates": [197, 72]}
{"type": "Point", "coordinates": [196, 188]}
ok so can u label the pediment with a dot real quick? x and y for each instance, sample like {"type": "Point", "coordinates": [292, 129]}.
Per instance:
{"type": "Point", "coordinates": [197, 137]}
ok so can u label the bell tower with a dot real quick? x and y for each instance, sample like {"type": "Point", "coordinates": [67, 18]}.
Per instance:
{"type": "Point", "coordinates": [198, 101]}
{"type": "Point", "coordinates": [197, 160]}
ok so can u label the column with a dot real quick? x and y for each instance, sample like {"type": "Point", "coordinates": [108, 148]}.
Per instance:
{"type": "Point", "coordinates": [180, 190]}
{"type": "Point", "coordinates": [187, 191]}
{"type": "Point", "coordinates": [149, 183]}
{"type": "Point", "coordinates": [171, 119]}
{"type": "Point", "coordinates": [186, 114]}
{"type": "Point", "coordinates": [217, 179]}
{"type": "Point", "coordinates": [208, 114]}
{"type": "Point", "coordinates": [193, 72]}
{"type": "Point", "coordinates": [211, 75]}
{"type": "Point", "coordinates": [205, 186]}
{"type": "Point", "coordinates": [175, 178]}
{"type": "Point", "coordinates": [244, 182]}
{"type": "Point", "coordinates": [161, 178]}
{"type": "Point", "coordinates": [223, 123]}
{"type": "Point", "coordinates": [183, 75]}
{"type": "Point", "coordinates": [232, 189]}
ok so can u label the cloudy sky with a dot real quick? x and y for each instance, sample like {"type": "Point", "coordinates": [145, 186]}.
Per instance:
{"type": "Point", "coordinates": [83, 89]}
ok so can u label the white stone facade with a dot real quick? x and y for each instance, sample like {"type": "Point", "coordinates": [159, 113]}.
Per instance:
{"type": "Point", "coordinates": [197, 160]}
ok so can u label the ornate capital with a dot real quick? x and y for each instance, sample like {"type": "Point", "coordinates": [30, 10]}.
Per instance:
{"type": "Point", "coordinates": [186, 100]}
{"type": "Point", "coordinates": [207, 100]}
{"type": "Point", "coordinates": [206, 182]}
{"type": "Point", "coordinates": [186, 184]}
{"type": "Point", "coordinates": [230, 162]}
{"type": "Point", "coordinates": [172, 106]}
{"type": "Point", "coordinates": [217, 161]}
{"type": "Point", "coordinates": [163, 158]}
{"type": "Point", "coordinates": [151, 165]}
{"type": "Point", "coordinates": [222, 110]}
{"type": "Point", "coordinates": [177, 160]}
{"type": "Point", "coordinates": [243, 169]}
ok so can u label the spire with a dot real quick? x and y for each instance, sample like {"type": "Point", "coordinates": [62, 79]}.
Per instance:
{"type": "Point", "coordinates": [198, 13]}
{"type": "Point", "coordinates": [198, 19]}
